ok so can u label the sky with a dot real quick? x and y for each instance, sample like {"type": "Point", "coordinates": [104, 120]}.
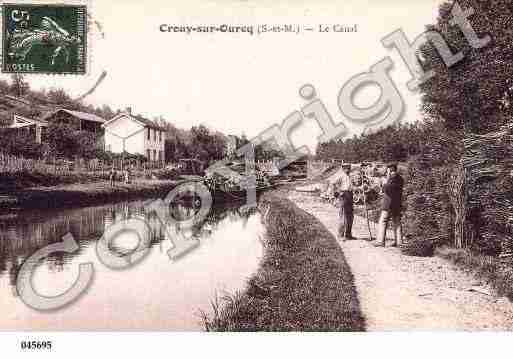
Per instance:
{"type": "Point", "coordinates": [237, 83]}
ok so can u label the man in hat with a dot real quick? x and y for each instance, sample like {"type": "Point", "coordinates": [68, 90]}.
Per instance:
{"type": "Point", "coordinates": [343, 188]}
{"type": "Point", "coordinates": [391, 206]}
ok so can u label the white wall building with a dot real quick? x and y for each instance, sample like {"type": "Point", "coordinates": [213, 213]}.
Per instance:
{"type": "Point", "coordinates": [136, 135]}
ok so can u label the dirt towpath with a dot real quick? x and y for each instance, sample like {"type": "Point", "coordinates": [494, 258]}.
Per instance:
{"type": "Point", "coordinates": [399, 292]}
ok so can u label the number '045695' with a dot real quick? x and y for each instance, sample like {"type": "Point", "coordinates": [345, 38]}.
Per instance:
{"type": "Point", "coordinates": [36, 345]}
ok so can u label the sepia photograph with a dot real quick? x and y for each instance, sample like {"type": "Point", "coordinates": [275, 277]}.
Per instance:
{"type": "Point", "coordinates": [254, 166]}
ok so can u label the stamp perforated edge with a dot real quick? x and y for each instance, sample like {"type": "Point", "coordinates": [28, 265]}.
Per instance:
{"type": "Point", "coordinates": [88, 19]}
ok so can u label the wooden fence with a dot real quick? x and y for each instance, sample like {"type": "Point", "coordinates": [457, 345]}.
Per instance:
{"type": "Point", "coordinates": [14, 164]}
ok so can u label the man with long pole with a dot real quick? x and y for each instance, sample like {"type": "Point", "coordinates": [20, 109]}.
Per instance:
{"type": "Point", "coordinates": [344, 194]}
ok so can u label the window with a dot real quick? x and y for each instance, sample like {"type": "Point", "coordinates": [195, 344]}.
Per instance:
{"type": "Point", "coordinates": [161, 156]}
{"type": "Point", "coordinates": [154, 155]}
{"type": "Point", "coordinates": [149, 133]}
{"type": "Point", "coordinates": [148, 154]}
{"type": "Point", "coordinates": [154, 135]}
{"type": "Point", "coordinates": [160, 136]}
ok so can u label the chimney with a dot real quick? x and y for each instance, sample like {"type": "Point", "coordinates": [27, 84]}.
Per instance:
{"type": "Point", "coordinates": [128, 110]}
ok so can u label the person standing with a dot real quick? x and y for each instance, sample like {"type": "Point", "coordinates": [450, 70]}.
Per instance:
{"type": "Point", "coordinates": [112, 177]}
{"type": "Point", "coordinates": [343, 188]}
{"type": "Point", "coordinates": [391, 207]}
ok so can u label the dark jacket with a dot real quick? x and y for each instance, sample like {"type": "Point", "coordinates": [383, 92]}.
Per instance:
{"type": "Point", "coordinates": [393, 194]}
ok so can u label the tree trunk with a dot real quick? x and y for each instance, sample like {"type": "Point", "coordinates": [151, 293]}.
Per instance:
{"type": "Point", "coordinates": [458, 198]}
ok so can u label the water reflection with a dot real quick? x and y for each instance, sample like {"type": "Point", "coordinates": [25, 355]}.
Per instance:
{"type": "Point", "coordinates": [25, 233]}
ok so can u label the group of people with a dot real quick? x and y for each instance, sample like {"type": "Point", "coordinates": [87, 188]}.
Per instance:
{"type": "Point", "coordinates": [391, 204]}
{"type": "Point", "coordinates": [113, 176]}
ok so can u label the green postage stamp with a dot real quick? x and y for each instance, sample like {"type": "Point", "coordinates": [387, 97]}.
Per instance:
{"type": "Point", "coordinates": [44, 38]}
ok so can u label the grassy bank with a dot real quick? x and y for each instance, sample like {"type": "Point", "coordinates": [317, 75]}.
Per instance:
{"type": "Point", "coordinates": [498, 274]}
{"type": "Point", "coordinates": [10, 182]}
{"type": "Point", "coordinates": [15, 181]}
{"type": "Point", "coordinates": [86, 194]}
{"type": "Point", "coordinates": [303, 284]}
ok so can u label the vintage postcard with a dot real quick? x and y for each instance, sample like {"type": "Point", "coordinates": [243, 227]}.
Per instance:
{"type": "Point", "coordinates": [255, 166]}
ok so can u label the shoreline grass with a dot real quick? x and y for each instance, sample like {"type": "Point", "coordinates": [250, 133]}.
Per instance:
{"type": "Point", "coordinates": [87, 194]}
{"type": "Point", "coordinates": [303, 284]}
{"type": "Point", "coordinates": [498, 274]}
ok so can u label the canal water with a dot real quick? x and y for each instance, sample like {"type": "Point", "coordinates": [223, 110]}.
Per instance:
{"type": "Point", "coordinates": [156, 293]}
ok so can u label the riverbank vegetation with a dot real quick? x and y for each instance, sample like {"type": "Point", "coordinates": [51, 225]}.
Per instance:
{"type": "Point", "coordinates": [87, 194]}
{"type": "Point", "coordinates": [497, 272]}
{"type": "Point", "coordinates": [304, 282]}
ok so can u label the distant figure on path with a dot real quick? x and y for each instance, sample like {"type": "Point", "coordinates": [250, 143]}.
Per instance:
{"type": "Point", "coordinates": [391, 207]}
{"type": "Point", "coordinates": [343, 189]}
{"type": "Point", "coordinates": [112, 177]}
{"type": "Point", "coordinates": [127, 177]}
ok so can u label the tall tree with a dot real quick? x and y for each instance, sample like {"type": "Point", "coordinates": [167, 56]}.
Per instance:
{"type": "Point", "coordinates": [19, 86]}
{"type": "Point", "coordinates": [470, 95]}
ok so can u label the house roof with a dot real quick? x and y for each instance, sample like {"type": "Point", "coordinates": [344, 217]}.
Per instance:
{"type": "Point", "coordinates": [81, 115]}
{"type": "Point", "coordinates": [148, 123]}
{"type": "Point", "coordinates": [143, 121]}
{"type": "Point", "coordinates": [20, 121]}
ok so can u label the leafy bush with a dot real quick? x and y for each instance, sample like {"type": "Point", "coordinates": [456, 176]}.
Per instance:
{"type": "Point", "coordinates": [68, 142]}
{"type": "Point", "coordinates": [428, 216]}
{"type": "Point", "coordinates": [419, 247]}
{"type": "Point", "coordinates": [490, 214]}
{"type": "Point", "coordinates": [21, 144]}
{"type": "Point", "coordinates": [109, 157]}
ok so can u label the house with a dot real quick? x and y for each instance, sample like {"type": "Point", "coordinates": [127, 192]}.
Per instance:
{"type": "Point", "coordinates": [82, 120]}
{"type": "Point", "coordinates": [136, 135]}
{"type": "Point", "coordinates": [34, 127]}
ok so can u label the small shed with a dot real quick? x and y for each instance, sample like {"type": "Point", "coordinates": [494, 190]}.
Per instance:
{"type": "Point", "coordinates": [32, 126]}
{"type": "Point", "coordinates": [83, 121]}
